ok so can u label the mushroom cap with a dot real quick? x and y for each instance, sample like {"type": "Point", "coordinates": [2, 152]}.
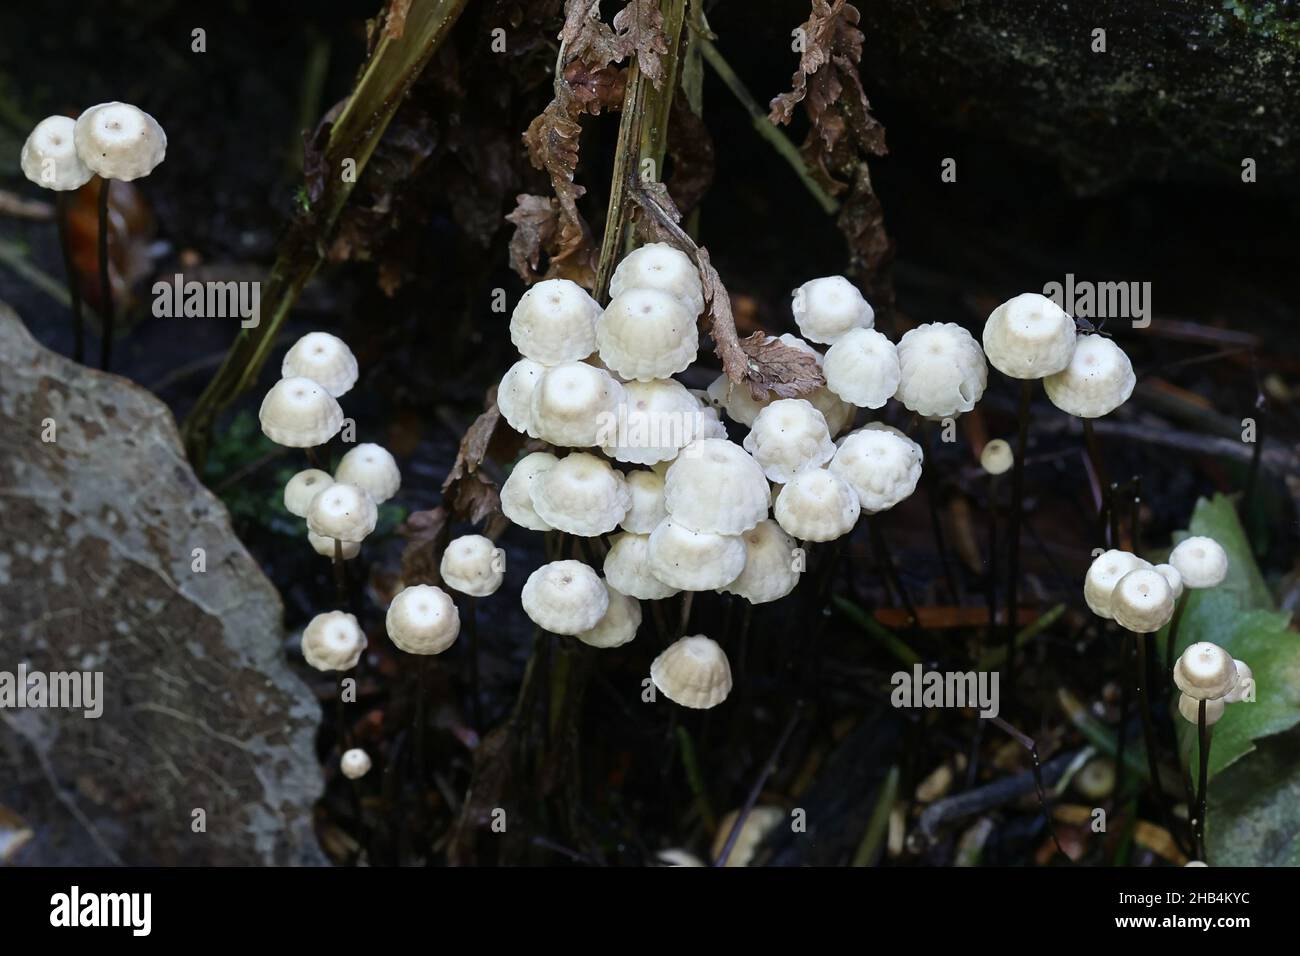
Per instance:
{"type": "Point", "coordinates": [769, 573]}
{"type": "Point", "coordinates": [1190, 708]}
{"type": "Point", "coordinates": [299, 413]}
{"type": "Point", "coordinates": [1143, 601]}
{"type": "Point", "coordinates": [517, 492]}
{"type": "Point", "coordinates": [997, 457]}
{"type": "Point", "coordinates": [49, 157]}
{"type": "Point", "coordinates": [1096, 779]}
{"type": "Point", "coordinates": [423, 619]}
{"type": "Point", "coordinates": [694, 560]}
{"type": "Point", "coordinates": [736, 400]}
{"type": "Point", "coordinates": [1205, 671]}
{"type": "Point", "coordinates": [515, 394]}
{"type": "Point", "coordinates": [654, 421]}
{"type": "Point", "coordinates": [472, 564]}
{"type": "Point", "coordinates": [862, 368]}
{"type": "Point", "coordinates": [942, 370]}
{"type": "Point", "coordinates": [676, 856]}
{"type": "Point", "coordinates": [760, 821]}
{"type": "Point", "coordinates": [371, 467]}
{"type": "Point", "coordinates": [1029, 336]}
{"type": "Point", "coordinates": [119, 141]}
{"type": "Point", "coordinates": [627, 568]}
{"type": "Point", "coordinates": [1245, 685]}
{"type": "Point", "coordinates": [333, 641]}
{"type": "Point", "coordinates": [693, 672]}
{"type": "Point", "coordinates": [829, 307]}
{"type": "Point", "coordinates": [787, 436]}
{"type": "Point", "coordinates": [618, 625]}
{"type": "Point", "coordinates": [355, 763]}
{"type": "Point", "coordinates": [1201, 561]}
{"type": "Point", "coordinates": [302, 488]}
{"type": "Point", "coordinates": [1103, 574]}
{"type": "Point", "coordinates": [817, 505]}
{"type": "Point", "coordinates": [581, 494]}
{"type": "Point", "coordinates": [342, 511]}
{"type": "Point", "coordinates": [714, 485]}
{"type": "Point", "coordinates": [657, 265]}
{"type": "Point", "coordinates": [323, 358]}
{"type": "Point", "coordinates": [741, 406]}
{"type": "Point", "coordinates": [645, 334]}
{"type": "Point", "coordinates": [880, 464]}
{"type": "Point", "coordinates": [325, 546]}
{"type": "Point", "coordinates": [647, 507]}
{"type": "Point", "coordinates": [574, 404]}
{"type": "Point", "coordinates": [1098, 380]}
{"type": "Point", "coordinates": [1173, 578]}
{"type": "Point", "coordinates": [554, 322]}
{"type": "Point", "coordinates": [565, 597]}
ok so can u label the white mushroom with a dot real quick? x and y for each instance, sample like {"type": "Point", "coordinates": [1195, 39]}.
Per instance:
{"type": "Point", "coordinates": [371, 467]}
{"type": "Point", "coordinates": [1205, 671]}
{"type": "Point", "coordinates": [119, 141]}
{"type": "Point", "coordinates": [881, 465]}
{"type": "Point", "coordinates": [1098, 380]}
{"type": "Point", "coordinates": [787, 436]}
{"type": "Point", "coordinates": [647, 502]}
{"type": "Point", "coordinates": [714, 485]}
{"type": "Point", "coordinates": [1103, 574]}
{"type": "Point", "coordinates": [472, 564]}
{"type": "Point", "coordinates": [325, 547]}
{"type": "Point", "coordinates": [302, 488]}
{"type": "Point", "coordinates": [1190, 708]}
{"type": "Point", "coordinates": [827, 308]}
{"type": "Point", "coordinates": [627, 568]}
{"type": "Point", "coordinates": [423, 619]}
{"type": "Point", "coordinates": [1173, 578]}
{"type": "Point", "coordinates": [694, 560]}
{"type": "Point", "coordinates": [942, 370]}
{"type": "Point", "coordinates": [342, 511]}
{"type": "Point", "coordinates": [1201, 561]}
{"type": "Point", "coordinates": [581, 494]}
{"type": "Point", "coordinates": [646, 334]}
{"type": "Point", "coordinates": [298, 413]}
{"type": "Point", "coordinates": [693, 672]}
{"type": "Point", "coordinates": [1142, 601]}
{"type": "Point", "coordinates": [565, 597]}
{"type": "Point", "coordinates": [49, 157]}
{"type": "Point", "coordinates": [515, 394]}
{"type": "Point", "coordinates": [658, 265]}
{"type": "Point", "coordinates": [771, 571]}
{"type": "Point", "coordinates": [323, 358]}
{"type": "Point", "coordinates": [574, 403]}
{"type": "Point", "coordinates": [862, 368]}
{"type": "Point", "coordinates": [652, 423]}
{"type": "Point", "coordinates": [618, 625]}
{"type": "Point", "coordinates": [355, 763]}
{"type": "Point", "coordinates": [333, 641]}
{"type": "Point", "coordinates": [554, 322]}
{"type": "Point", "coordinates": [517, 492]}
{"type": "Point", "coordinates": [1029, 336]}
{"type": "Point", "coordinates": [997, 457]}
{"type": "Point", "coordinates": [817, 505]}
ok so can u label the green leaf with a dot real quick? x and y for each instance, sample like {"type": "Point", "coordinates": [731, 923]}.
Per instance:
{"type": "Point", "coordinates": [1252, 815]}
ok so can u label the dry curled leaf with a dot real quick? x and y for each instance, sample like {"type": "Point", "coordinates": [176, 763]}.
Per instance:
{"type": "Point", "coordinates": [640, 30]}
{"type": "Point", "coordinates": [773, 366]}
{"type": "Point", "coordinates": [474, 444]}
{"type": "Point", "coordinates": [540, 230]}
{"type": "Point", "coordinates": [426, 534]}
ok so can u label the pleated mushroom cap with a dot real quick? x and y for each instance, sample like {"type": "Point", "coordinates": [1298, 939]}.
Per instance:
{"type": "Point", "coordinates": [302, 488]}
{"type": "Point", "coordinates": [323, 358]}
{"type": "Point", "coordinates": [657, 265]}
{"type": "Point", "coordinates": [862, 368]}
{"type": "Point", "coordinates": [942, 371]}
{"type": "Point", "coordinates": [627, 568]}
{"type": "Point", "coordinates": [817, 505]}
{"type": "Point", "coordinates": [714, 485]}
{"type": "Point", "coordinates": [517, 492]}
{"type": "Point", "coordinates": [515, 394]}
{"type": "Point", "coordinates": [565, 597]}
{"type": "Point", "coordinates": [119, 141]}
{"type": "Point", "coordinates": [325, 546]}
{"type": "Point", "coordinates": [1189, 707]}
{"type": "Point", "coordinates": [770, 564]}
{"type": "Point", "coordinates": [574, 404]}
{"type": "Point", "coordinates": [299, 413]}
{"type": "Point", "coordinates": [333, 641]}
{"type": "Point", "coordinates": [693, 672]}
{"type": "Point", "coordinates": [1201, 561]}
{"type": "Point", "coordinates": [355, 763]}
{"type": "Point", "coordinates": [880, 464]}
{"type": "Point", "coordinates": [997, 457]}
{"type": "Point", "coordinates": [1173, 578]}
{"type": "Point", "coordinates": [1098, 380]}
{"type": "Point", "coordinates": [342, 511]}
{"type": "Point", "coordinates": [654, 421]}
{"type": "Point", "coordinates": [1244, 689]}
{"type": "Point", "coordinates": [1103, 574]}
{"type": "Point", "coordinates": [472, 564]}
{"type": "Point", "coordinates": [49, 156]}
{"type": "Point", "coordinates": [554, 322]}
{"type": "Point", "coordinates": [423, 619]}
{"type": "Point", "coordinates": [694, 560]}
{"type": "Point", "coordinates": [788, 436]}
{"type": "Point", "coordinates": [1142, 601]}
{"type": "Point", "coordinates": [1029, 336]}
{"type": "Point", "coordinates": [1205, 671]}
{"type": "Point", "coordinates": [618, 625]}
{"type": "Point", "coordinates": [581, 494]}
{"type": "Point", "coordinates": [647, 502]}
{"type": "Point", "coordinates": [372, 468]}
{"type": "Point", "coordinates": [646, 334]}
{"type": "Point", "coordinates": [827, 308]}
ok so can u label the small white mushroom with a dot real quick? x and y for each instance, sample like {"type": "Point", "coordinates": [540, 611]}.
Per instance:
{"type": "Point", "coordinates": [1173, 578]}
{"type": "Point", "coordinates": [1103, 574]}
{"type": "Point", "coordinates": [618, 625]}
{"type": "Point", "coordinates": [515, 395]}
{"type": "Point", "coordinates": [472, 564]}
{"type": "Point", "coordinates": [658, 265]}
{"type": "Point", "coordinates": [714, 485]}
{"type": "Point", "coordinates": [119, 141]}
{"type": "Point", "coordinates": [646, 334]}
{"type": "Point", "coordinates": [771, 571]}
{"type": "Point", "coordinates": [517, 492]}
{"type": "Point", "coordinates": [372, 468]}
{"type": "Point", "coordinates": [942, 370]}
{"type": "Point", "coordinates": [581, 494]}
{"type": "Point", "coordinates": [693, 672]}
{"type": "Point", "coordinates": [299, 413]}
{"type": "Point", "coordinates": [423, 619]}
{"type": "Point", "coordinates": [627, 568]}
{"type": "Point", "coordinates": [817, 505]}
{"type": "Point", "coordinates": [827, 308]}
{"type": "Point", "coordinates": [1029, 336]}
{"type": "Point", "coordinates": [49, 157]}
{"type": "Point", "coordinates": [323, 358]}
{"type": "Point", "coordinates": [881, 465]}
{"type": "Point", "coordinates": [355, 763]}
{"type": "Point", "coordinates": [325, 546]}
{"type": "Point", "coordinates": [997, 457]}
{"type": "Point", "coordinates": [653, 421]}
{"type": "Point", "coordinates": [862, 368]}
{"type": "Point", "coordinates": [694, 560]}
{"type": "Point", "coordinates": [574, 404]}
{"type": "Point", "coordinates": [1098, 380]}
{"type": "Point", "coordinates": [1190, 708]}
{"type": "Point", "coordinates": [302, 488]}
{"type": "Point", "coordinates": [1201, 561]}
{"type": "Point", "coordinates": [565, 597]}
{"type": "Point", "coordinates": [342, 511]}
{"type": "Point", "coordinates": [1244, 689]}
{"type": "Point", "coordinates": [333, 641]}
{"type": "Point", "coordinates": [1205, 671]}
{"type": "Point", "coordinates": [1142, 601]}
{"type": "Point", "coordinates": [554, 322]}
{"type": "Point", "coordinates": [787, 436]}
{"type": "Point", "coordinates": [647, 502]}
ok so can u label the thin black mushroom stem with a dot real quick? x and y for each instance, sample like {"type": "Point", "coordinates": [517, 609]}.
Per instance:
{"type": "Point", "coordinates": [105, 284]}
{"type": "Point", "coordinates": [1203, 777]}
{"type": "Point", "coordinates": [1017, 506]}
{"type": "Point", "coordinates": [470, 618]}
{"type": "Point", "coordinates": [74, 287]}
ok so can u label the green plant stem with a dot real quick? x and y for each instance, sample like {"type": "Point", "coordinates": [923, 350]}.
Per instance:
{"type": "Point", "coordinates": [74, 287]}
{"type": "Point", "coordinates": [105, 285]}
{"type": "Point", "coordinates": [694, 778]}
{"type": "Point", "coordinates": [1017, 507]}
{"type": "Point", "coordinates": [878, 825]}
{"type": "Point", "coordinates": [887, 638]}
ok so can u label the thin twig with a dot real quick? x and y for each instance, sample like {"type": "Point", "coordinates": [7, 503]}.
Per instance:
{"type": "Point", "coordinates": [757, 788]}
